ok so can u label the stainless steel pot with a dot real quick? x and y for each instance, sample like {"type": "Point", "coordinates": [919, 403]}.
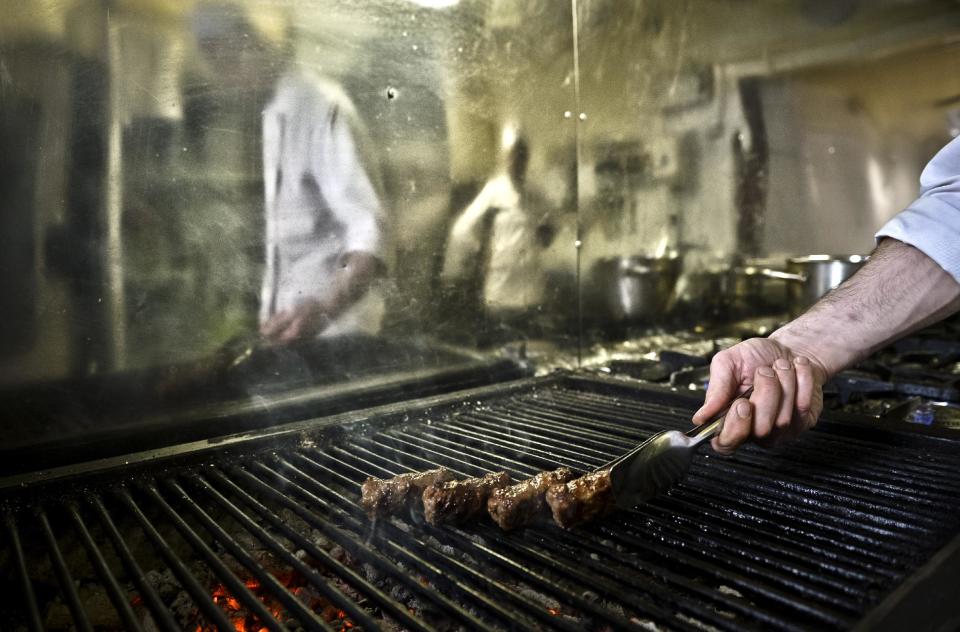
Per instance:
{"type": "Point", "coordinates": [755, 290]}
{"type": "Point", "coordinates": [631, 289]}
{"type": "Point", "coordinates": [812, 276]}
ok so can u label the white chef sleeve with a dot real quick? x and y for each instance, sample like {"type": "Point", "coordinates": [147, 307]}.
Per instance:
{"type": "Point", "coordinates": [466, 239]}
{"type": "Point", "coordinates": [931, 224]}
{"type": "Point", "coordinates": [346, 181]}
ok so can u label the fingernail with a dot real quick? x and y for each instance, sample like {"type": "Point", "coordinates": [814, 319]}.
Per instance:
{"type": "Point", "coordinates": [766, 371]}
{"type": "Point", "coordinates": [699, 410]}
{"type": "Point", "coordinates": [781, 364]}
{"type": "Point", "coordinates": [801, 360]}
{"type": "Point", "coordinates": [743, 409]}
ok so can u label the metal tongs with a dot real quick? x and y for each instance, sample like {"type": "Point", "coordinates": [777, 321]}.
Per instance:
{"type": "Point", "coordinates": [660, 462]}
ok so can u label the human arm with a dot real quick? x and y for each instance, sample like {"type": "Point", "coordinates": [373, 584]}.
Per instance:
{"type": "Point", "coordinates": [466, 238]}
{"type": "Point", "coordinates": [899, 290]}
{"type": "Point", "coordinates": [912, 279]}
{"type": "Point", "coordinates": [356, 272]}
{"type": "Point", "coordinates": [344, 175]}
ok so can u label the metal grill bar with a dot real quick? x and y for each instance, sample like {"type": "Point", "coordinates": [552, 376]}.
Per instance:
{"type": "Point", "coordinates": [529, 471]}
{"type": "Point", "coordinates": [824, 614]}
{"type": "Point", "coordinates": [110, 582]}
{"type": "Point", "coordinates": [63, 575]}
{"type": "Point", "coordinates": [719, 622]}
{"type": "Point", "coordinates": [306, 617]}
{"type": "Point", "coordinates": [461, 429]}
{"type": "Point", "coordinates": [843, 500]}
{"type": "Point", "coordinates": [665, 416]}
{"type": "Point", "coordinates": [625, 569]}
{"type": "Point", "coordinates": [199, 594]}
{"type": "Point", "coordinates": [33, 610]}
{"type": "Point", "coordinates": [161, 615]}
{"type": "Point", "coordinates": [562, 427]}
{"type": "Point", "coordinates": [510, 564]}
{"type": "Point", "coordinates": [318, 581]}
{"type": "Point", "coordinates": [237, 588]}
{"type": "Point", "coordinates": [427, 566]}
{"type": "Point", "coordinates": [903, 499]}
{"type": "Point", "coordinates": [332, 472]}
{"type": "Point", "coordinates": [804, 537]}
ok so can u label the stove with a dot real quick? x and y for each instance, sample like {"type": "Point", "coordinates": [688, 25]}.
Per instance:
{"type": "Point", "coordinates": [852, 526]}
{"type": "Point", "coordinates": [914, 381]}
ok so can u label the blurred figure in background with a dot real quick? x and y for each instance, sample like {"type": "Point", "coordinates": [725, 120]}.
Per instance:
{"type": "Point", "coordinates": [325, 225]}
{"type": "Point", "coordinates": [497, 245]}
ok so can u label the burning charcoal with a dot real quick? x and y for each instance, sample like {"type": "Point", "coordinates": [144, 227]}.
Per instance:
{"type": "Point", "coordinates": [382, 497]}
{"type": "Point", "coordinates": [340, 554]}
{"type": "Point", "coordinates": [183, 609]}
{"type": "Point", "coordinates": [457, 502]}
{"type": "Point", "coordinates": [523, 503]}
{"type": "Point", "coordinates": [371, 573]}
{"type": "Point", "coordinates": [164, 583]}
{"type": "Point", "coordinates": [581, 500]}
{"type": "Point", "coordinates": [99, 610]}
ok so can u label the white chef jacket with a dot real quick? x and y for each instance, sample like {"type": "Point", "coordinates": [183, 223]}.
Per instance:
{"type": "Point", "coordinates": [932, 223]}
{"type": "Point", "coordinates": [321, 200]}
{"type": "Point", "coordinates": [515, 276]}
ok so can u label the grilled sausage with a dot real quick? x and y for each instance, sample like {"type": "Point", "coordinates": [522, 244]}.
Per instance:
{"type": "Point", "coordinates": [457, 502]}
{"type": "Point", "coordinates": [581, 500]}
{"type": "Point", "coordinates": [523, 503]}
{"type": "Point", "coordinates": [382, 497]}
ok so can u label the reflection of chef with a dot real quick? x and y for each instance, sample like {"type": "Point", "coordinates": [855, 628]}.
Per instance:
{"type": "Point", "coordinates": [324, 221]}
{"type": "Point", "coordinates": [508, 217]}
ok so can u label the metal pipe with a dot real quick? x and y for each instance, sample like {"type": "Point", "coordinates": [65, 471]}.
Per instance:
{"type": "Point", "coordinates": [29, 596]}
{"type": "Point", "coordinates": [113, 200]}
{"type": "Point", "coordinates": [334, 595]}
{"type": "Point", "coordinates": [70, 594]}
{"type": "Point", "coordinates": [306, 617]}
{"type": "Point", "coordinates": [237, 588]}
{"type": "Point", "coordinates": [198, 593]}
{"type": "Point", "coordinates": [116, 594]}
{"type": "Point", "coordinates": [160, 613]}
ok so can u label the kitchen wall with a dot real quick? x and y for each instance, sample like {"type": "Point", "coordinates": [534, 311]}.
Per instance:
{"type": "Point", "coordinates": [847, 145]}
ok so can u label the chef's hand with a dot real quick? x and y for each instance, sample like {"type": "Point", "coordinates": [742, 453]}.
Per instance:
{"type": "Point", "coordinates": [357, 270]}
{"type": "Point", "coordinates": [787, 393]}
{"type": "Point", "coordinates": [306, 320]}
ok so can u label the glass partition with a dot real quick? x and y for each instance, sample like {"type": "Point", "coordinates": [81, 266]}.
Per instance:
{"type": "Point", "coordinates": [223, 200]}
{"type": "Point", "coordinates": [214, 201]}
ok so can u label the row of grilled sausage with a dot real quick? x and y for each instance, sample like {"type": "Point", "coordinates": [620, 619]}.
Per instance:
{"type": "Point", "coordinates": [572, 500]}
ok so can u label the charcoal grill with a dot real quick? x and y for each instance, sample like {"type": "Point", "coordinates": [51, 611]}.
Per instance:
{"type": "Point", "coordinates": [849, 526]}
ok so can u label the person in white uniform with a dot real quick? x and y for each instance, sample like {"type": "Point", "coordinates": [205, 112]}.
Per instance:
{"type": "Point", "coordinates": [325, 224]}
{"type": "Point", "coordinates": [912, 280]}
{"type": "Point", "coordinates": [502, 235]}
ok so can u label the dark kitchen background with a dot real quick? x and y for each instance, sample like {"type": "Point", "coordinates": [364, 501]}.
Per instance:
{"type": "Point", "coordinates": [688, 164]}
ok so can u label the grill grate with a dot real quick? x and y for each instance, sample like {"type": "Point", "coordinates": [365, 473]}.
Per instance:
{"type": "Point", "coordinates": [808, 536]}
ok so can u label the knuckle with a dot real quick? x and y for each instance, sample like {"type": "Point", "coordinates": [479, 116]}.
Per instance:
{"type": "Point", "coordinates": [785, 420]}
{"type": "Point", "coordinates": [740, 433]}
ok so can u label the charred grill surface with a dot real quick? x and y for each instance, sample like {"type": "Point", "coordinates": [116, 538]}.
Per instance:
{"type": "Point", "coordinates": [458, 502]}
{"type": "Point", "coordinates": [382, 497]}
{"type": "Point", "coordinates": [581, 500]}
{"type": "Point", "coordinates": [523, 503]}
{"type": "Point", "coordinates": [811, 536]}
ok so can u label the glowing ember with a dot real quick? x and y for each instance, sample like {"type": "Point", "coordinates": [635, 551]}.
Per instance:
{"type": "Point", "coordinates": [553, 611]}
{"type": "Point", "coordinates": [245, 621]}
